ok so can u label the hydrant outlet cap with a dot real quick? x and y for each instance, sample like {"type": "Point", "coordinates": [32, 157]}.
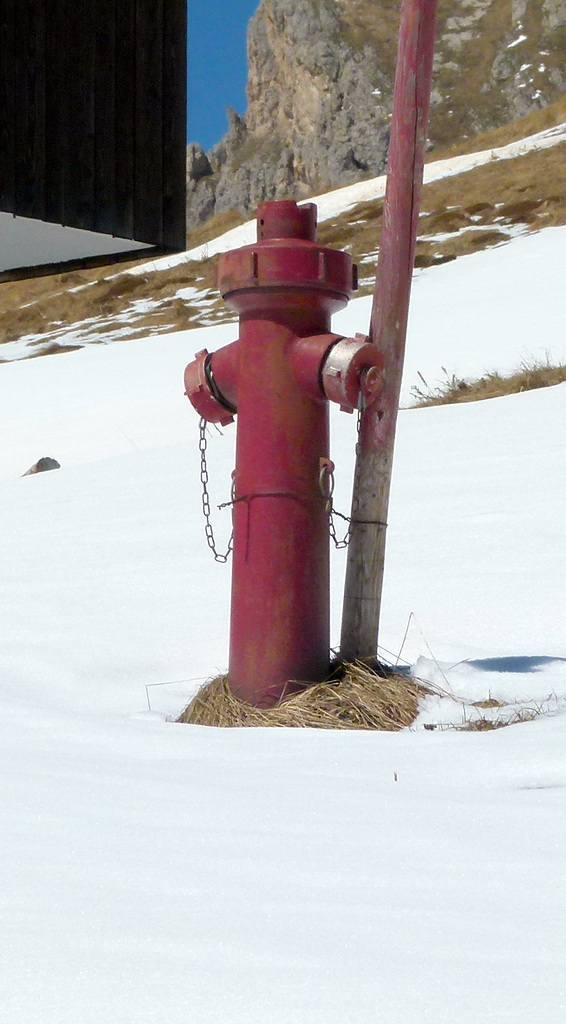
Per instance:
{"type": "Point", "coordinates": [285, 219]}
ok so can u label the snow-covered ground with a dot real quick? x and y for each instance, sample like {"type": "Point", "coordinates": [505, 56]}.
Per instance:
{"type": "Point", "coordinates": [158, 872]}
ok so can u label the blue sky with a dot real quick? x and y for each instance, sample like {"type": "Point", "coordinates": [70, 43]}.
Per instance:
{"type": "Point", "coordinates": [217, 65]}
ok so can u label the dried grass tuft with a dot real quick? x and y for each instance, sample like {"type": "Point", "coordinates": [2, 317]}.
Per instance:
{"type": "Point", "coordinates": [360, 699]}
{"type": "Point", "coordinates": [530, 376]}
{"type": "Point", "coordinates": [483, 724]}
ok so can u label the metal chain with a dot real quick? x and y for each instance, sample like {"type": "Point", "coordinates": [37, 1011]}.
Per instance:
{"type": "Point", "coordinates": [208, 528]}
{"type": "Point", "coordinates": [209, 532]}
{"type": "Point", "coordinates": [339, 544]}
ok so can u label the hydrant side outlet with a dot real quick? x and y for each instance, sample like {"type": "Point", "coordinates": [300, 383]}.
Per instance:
{"type": "Point", "coordinates": [202, 393]}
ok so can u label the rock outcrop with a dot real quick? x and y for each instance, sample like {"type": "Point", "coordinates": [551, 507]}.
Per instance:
{"type": "Point", "coordinates": [320, 82]}
{"type": "Point", "coordinates": [42, 465]}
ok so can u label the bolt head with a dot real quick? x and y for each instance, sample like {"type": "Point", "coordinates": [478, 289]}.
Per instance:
{"type": "Point", "coordinates": [372, 381]}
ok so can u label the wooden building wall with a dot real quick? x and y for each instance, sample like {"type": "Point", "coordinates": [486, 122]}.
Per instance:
{"type": "Point", "coordinates": [93, 115]}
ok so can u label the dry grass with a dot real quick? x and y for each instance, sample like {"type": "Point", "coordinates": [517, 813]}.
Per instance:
{"type": "Point", "coordinates": [46, 305]}
{"type": "Point", "coordinates": [360, 699]}
{"type": "Point", "coordinates": [482, 724]}
{"type": "Point", "coordinates": [538, 121]}
{"type": "Point", "coordinates": [214, 227]}
{"type": "Point", "coordinates": [360, 26]}
{"type": "Point", "coordinates": [453, 390]}
{"type": "Point", "coordinates": [508, 715]}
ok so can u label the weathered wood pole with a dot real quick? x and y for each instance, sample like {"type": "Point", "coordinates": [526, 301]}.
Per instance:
{"type": "Point", "coordinates": [366, 552]}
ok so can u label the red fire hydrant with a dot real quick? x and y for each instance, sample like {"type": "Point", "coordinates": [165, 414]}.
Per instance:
{"type": "Point", "coordinates": [279, 376]}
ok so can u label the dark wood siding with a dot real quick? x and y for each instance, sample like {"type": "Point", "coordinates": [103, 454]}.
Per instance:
{"type": "Point", "coordinates": [93, 115]}
{"type": "Point", "coordinates": [7, 108]}
{"type": "Point", "coordinates": [56, 113]}
{"type": "Point", "coordinates": [148, 155]}
{"type": "Point", "coordinates": [125, 86]}
{"type": "Point", "coordinates": [29, 81]}
{"type": "Point", "coordinates": [105, 116]}
{"type": "Point", "coordinates": [174, 126]}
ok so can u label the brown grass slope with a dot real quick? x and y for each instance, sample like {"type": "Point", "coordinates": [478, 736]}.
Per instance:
{"type": "Point", "coordinates": [465, 212]}
{"type": "Point", "coordinates": [538, 121]}
{"type": "Point", "coordinates": [99, 305]}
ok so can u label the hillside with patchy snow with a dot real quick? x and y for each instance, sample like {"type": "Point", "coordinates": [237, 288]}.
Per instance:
{"type": "Point", "coordinates": [512, 186]}
{"type": "Point", "coordinates": [153, 871]}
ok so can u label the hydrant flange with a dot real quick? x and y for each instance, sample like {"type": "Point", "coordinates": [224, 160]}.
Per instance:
{"type": "Point", "coordinates": [286, 257]}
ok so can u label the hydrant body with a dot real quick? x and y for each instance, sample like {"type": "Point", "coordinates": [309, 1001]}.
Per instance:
{"type": "Point", "coordinates": [280, 583]}
{"type": "Point", "coordinates": [277, 375]}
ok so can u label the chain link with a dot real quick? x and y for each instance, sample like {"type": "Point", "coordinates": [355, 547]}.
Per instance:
{"type": "Point", "coordinates": [208, 529]}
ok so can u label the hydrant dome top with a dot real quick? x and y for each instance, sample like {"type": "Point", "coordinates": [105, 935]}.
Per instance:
{"type": "Point", "coordinates": [285, 219]}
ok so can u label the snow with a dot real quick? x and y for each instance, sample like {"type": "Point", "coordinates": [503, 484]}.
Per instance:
{"type": "Point", "coordinates": [519, 39]}
{"type": "Point", "coordinates": [152, 871]}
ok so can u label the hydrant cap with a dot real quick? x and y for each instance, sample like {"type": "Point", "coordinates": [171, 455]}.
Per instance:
{"type": "Point", "coordinates": [285, 219]}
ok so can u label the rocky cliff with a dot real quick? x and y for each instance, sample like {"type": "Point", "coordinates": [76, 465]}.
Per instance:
{"type": "Point", "coordinates": [320, 83]}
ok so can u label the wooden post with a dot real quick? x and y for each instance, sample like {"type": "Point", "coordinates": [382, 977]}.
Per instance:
{"type": "Point", "coordinates": [366, 552]}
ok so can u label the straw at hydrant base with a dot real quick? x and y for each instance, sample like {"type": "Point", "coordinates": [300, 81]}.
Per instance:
{"type": "Point", "coordinates": [360, 698]}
